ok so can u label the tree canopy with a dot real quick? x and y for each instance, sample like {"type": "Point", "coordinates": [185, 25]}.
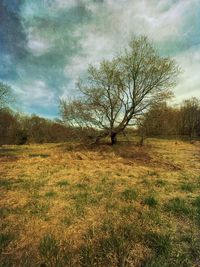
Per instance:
{"type": "Point", "coordinates": [117, 91]}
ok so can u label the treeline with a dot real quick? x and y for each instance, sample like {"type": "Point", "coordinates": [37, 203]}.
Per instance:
{"type": "Point", "coordinates": [163, 119]}
{"type": "Point", "coordinates": [20, 129]}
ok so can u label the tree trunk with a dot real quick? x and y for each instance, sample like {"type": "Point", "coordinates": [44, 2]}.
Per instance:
{"type": "Point", "coordinates": [113, 137]}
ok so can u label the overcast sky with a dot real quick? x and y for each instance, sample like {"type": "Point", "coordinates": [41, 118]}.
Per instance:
{"type": "Point", "coordinates": [45, 45]}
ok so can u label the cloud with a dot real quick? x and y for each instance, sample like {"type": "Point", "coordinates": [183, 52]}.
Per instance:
{"type": "Point", "coordinates": [189, 82]}
{"type": "Point", "coordinates": [54, 41]}
{"type": "Point", "coordinates": [12, 39]}
{"type": "Point", "coordinates": [65, 4]}
{"type": "Point", "coordinates": [36, 93]}
{"type": "Point", "coordinates": [36, 44]}
{"type": "Point", "coordinates": [94, 47]}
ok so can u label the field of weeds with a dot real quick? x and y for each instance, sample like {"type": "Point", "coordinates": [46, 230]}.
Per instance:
{"type": "Point", "coordinates": [70, 205]}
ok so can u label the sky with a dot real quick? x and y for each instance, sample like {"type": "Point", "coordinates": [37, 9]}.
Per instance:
{"type": "Point", "coordinates": [46, 45]}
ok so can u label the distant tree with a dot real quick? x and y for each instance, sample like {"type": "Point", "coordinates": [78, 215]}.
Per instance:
{"type": "Point", "coordinates": [5, 95]}
{"type": "Point", "coordinates": [190, 117]}
{"type": "Point", "coordinates": [17, 128]}
{"type": "Point", "coordinates": [41, 130]}
{"type": "Point", "coordinates": [9, 126]}
{"type": "Point", "coordinates": [118, 91]}
{"type": "Point", "coordinates": [161, 119]}
{"type": "Point", "coordinates": [37, 128]}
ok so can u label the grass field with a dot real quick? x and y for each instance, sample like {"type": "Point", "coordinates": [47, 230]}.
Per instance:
{"type": "Point", "coordinates": [70, 205]}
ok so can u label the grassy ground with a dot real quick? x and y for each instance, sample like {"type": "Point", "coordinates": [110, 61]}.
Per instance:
{"type": "Point", "coordinates": [68, 205]}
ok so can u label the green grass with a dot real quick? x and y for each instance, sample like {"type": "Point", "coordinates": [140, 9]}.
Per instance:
{"type": "Point", "coordinates": [160, 183]}
{"type": "Point", "coordinates": [67, 220]}
{"type": "Point", "coordinates": [152, 173]}
{"type": "Point", "coordinates": [79, 210]}
{"type": "Point", "coordinates": [151, 217]}
{"type": "Point", "coordinates": [5, 239]}
{"type": "Point", "coordinates": [48, 246]}
{"type": "Point", "coordinates": [32, 185]}
{"type": "Point", "coordinates": [197, 202]}
{"type": "Point", "coordinates": [63, 183]}
{"type": "Point", "coordinates": [111, 249]}
{"type": "Point", "coordinates": [178, 206]}
{"type": "Point", "coordinates": [50, 194]}
{"type": "Point", "coordinates": [151, 201]}
{"type": "Point", "coordinates": [37, 208]}
{"type": "Point", "coordinates": [129, 194]}
{"type": "Point", "coordinates": [160, 243]}
{"type": "Point", "coordinates": [188, 187]}
{"type": "Point", "coordinates": [6, 184]}
{"type": "Point", "coordinates": [4, 212]}
{"type": "Point", "coordinates": [127, 210]}
{"type": "Point", "coordinates": [49, 250]}
{"type": "Point", "coordinates": [82, 186]}
{"type": "Point", "coordinates": [105, 210]}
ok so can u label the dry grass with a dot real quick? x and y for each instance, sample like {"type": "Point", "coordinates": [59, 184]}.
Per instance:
{"type": "Point", "coordinates": [70, 205]}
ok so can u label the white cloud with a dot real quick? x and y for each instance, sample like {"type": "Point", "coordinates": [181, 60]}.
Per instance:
{"type": "Point", "coordinates": [60, 4]}
{"type": "Point", "coordinates": [94, 47]}
{"type": "Point", "coordinates": [189, 81]}
{"type": "Point", "coordinates": [37, 44]}
{"type": "Point", "coordinates": [65, 4]}
{"type": "Point", "coordinates": [118, 20]}
{"type": "Point", "coordinates": [108, 28]}
{"type": "Point", "coordinates": [35, 93]}
{"type": "Point", "coordinates": [147, 17]}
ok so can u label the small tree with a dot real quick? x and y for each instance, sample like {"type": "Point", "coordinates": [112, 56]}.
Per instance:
{"type": "Point", "coordinates": [5, 95]}
{"type": "Point", "coordinates": [118, 91]}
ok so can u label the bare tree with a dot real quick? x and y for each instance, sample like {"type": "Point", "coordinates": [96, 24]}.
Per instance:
{"type": "Point", "coordinates": [161, 119]}
{"type": "Point", "coordinates": [190, 117]}
{"type": "Point", "coordinates": [118, 91]}
{"type": "Point", "coordinates": [5, 94]}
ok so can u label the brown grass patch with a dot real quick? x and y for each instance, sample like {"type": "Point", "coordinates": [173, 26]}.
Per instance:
{"type": "Point", "coordinates": [76, 189]}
